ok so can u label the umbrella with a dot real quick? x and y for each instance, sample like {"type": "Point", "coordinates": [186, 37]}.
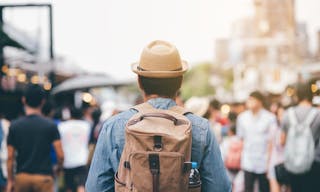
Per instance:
{"type": "Point", "coordinates": [5, 40]}
{"type": "Point", "coordinates": [88, 81]}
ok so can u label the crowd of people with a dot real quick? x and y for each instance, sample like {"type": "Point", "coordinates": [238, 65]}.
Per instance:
{"type": "Point", "coordinates": [250, 145]}
{"type": "Point", "coordinates": [253, 140]}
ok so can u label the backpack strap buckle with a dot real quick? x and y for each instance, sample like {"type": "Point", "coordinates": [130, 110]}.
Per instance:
{"type": "Point", "coordinates": [157, 143]}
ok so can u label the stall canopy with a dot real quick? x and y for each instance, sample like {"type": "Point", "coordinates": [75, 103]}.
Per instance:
{"type": "Point", "coordinates": [83, 82]}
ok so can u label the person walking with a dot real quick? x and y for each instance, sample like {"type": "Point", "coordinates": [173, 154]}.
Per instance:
{"type": "Point", "coordinates": [4, 130]}
{"type": "Point", "coordinates": [277, 150]}
{"type": "Point", "coordinates": [307, 118]}
{"type": "Point", "coordinates": [160, 73]}
{"type": "Point", "coordinates": [29, 142]}
{"type": "Point", "coordinates": [255, 126]}
{"type": "Point", "coordinates": [75, 134]}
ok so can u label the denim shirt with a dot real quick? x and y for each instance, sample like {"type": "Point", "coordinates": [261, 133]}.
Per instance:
{"type": "Point", "coordinates": [205, 151]}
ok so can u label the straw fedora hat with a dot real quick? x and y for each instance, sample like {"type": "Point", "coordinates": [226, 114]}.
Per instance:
{"type": "Point", "coordinates": [160, 59]}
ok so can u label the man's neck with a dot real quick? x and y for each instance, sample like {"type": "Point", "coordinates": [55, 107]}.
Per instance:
{"type": "Point", "coordinates": [32, 111]}
{"type": "Point", "coordinates": [154, 96]}
{"type": "Point", "coordinates": [256, 111]}
{"type": "Point", "coordinates": [305, 103]}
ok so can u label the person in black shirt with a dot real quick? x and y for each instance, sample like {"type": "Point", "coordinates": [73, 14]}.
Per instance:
{"type": "Point", "coordinates": [31, 137]}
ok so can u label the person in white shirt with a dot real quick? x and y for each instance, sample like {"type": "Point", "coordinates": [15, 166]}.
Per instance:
{"type": "Point", "coordinates": [255, 126]}
{"type": "Point", "coordinates": [75, 135]}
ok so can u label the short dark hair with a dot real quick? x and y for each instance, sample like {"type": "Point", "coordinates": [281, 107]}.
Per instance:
{"type": "Point", "coordinates": [47, 108]}
{"type": "Point", "coordinates": [76, 113]}
{"type": "Point", "coordinates": [258, 95]}
{"type": "Point", "coordinates": [233, 128]}
{"type": "Point", "coordinates": [304, 92]}
{"type": "Point", "coordinates": [34, 95]}
{"type": "Point", "coordinates": [161, 86]}
{"type": "Point", "coordinates": [215, 104]}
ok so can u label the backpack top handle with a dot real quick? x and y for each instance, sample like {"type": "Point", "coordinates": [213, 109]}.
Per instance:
{"type": "Point", "coordinates": [175, 121]}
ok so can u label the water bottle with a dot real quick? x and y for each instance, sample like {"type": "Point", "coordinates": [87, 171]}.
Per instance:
{"type": "Point", "coordinates": [194, 178]}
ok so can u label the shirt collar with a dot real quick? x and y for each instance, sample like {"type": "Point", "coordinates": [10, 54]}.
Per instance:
{"type": "Point", "coordinates": [258, 115]}
{"type": "Point", "coordinates": [162, 103]}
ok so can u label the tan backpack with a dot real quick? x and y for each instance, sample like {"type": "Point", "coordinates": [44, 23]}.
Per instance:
{"type": "Point", "coordinates": [157, 151]}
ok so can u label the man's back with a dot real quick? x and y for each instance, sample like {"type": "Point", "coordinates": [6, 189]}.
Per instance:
{"type": "Point", "coordinates": [32, 137]}
{"type": "Point", "coordinates": [205, 151]}
{"type": "Point", "coordinates": [75, 138]}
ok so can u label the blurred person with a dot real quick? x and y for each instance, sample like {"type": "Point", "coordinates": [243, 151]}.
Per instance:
{"type": "Point", "coordinates": [160, 73]}
{"type": "Point", "coordinates": [255, 126]}
{"type": "Point", "coordinates": [94, 133]}
{"type": "Point", "coordinates": [214, 110]}
{"type": "Point", "coordinates": [29, 142]}
{"type": "Point", "coordinates": [237, 108]}
{"type": "Point", "coordinates": [4, 130]}
{"type": "Point", "coordinates": [75, 134]}
{"type": "Point", "coordinates": [215, 118]}
{"type": "Point", "coordinates": [87, 113]}
{"type": "Point", "coordinates": [231, 150]}
{"type": "Point", "coordinates": [307, 181]}
{"type": "Point", "coordinates": [49, 112]}
{"type": "Point", "coordinates": [277, 149]}
{"type": "Point", "coordinates": [198, 106]}
{"type": "Point", "coordinates": [232, 116]}
{"type": "Point", "coordinates": [96, 126]}
{"type": "Point", "coordinates": [201, 106]}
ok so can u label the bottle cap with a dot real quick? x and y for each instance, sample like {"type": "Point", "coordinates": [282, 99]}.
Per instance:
{"type": "Point", "coordinates": [194, 165]}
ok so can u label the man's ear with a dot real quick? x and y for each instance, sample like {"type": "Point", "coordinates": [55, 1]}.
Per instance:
{"type": "Point", "coordinates": [139, 82]}
{"type": "Point", "coordinates": [141, 88]}
{"type": "Point", "coordinates": [181, 83]}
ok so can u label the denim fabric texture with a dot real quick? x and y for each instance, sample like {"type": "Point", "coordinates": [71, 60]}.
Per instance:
{"type": "Point", "coordinates": [205, 151]}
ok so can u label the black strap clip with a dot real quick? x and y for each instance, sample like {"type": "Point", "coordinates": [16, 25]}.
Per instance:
{"type": "Point", "coordinates": [157, 143]}
{"type": "Point", "coordinates": [126, 165]}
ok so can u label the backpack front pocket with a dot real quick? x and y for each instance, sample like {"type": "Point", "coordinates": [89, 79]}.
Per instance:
{"type": "Point", "coordinates": [169, 177]}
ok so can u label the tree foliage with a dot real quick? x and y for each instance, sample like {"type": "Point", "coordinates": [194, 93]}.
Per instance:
{"type": "Point", "coordinates": [196, 81]}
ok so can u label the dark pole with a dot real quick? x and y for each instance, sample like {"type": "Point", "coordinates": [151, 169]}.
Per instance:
{"type": "Point", "coordinates": [1, 47]}
{"type": "Point", "coordinates": [52, 73]}
{"type": "Point", "coordinates": [51, 32]}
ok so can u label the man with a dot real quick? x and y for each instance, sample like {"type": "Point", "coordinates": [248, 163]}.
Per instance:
{"type": "Point", "coordinates": [215, 118]}
{"type": "Point", "coordinates": [31, 137]}
{"type": "Point", "coordinates": [75, 135]}
{"type": "Point", "coordinates": [255, 127]}
{"type": "Point", "coordinates": [307, 181]}
{"type": "Point", "coordinates": [160, 72]}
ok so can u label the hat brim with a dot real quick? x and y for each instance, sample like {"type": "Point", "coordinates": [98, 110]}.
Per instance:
{"type": "Point", "coordinates": [160, 74]}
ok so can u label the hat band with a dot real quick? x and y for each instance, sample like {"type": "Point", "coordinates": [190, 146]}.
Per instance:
{"type": "Point", "coordinates": [141, 69]}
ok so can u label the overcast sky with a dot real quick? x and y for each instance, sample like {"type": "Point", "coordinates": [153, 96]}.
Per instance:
{"type": "Point", "coordinates": [108, 35]}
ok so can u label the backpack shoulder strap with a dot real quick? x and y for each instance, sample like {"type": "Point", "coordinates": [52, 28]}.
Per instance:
{"type": "Point", "coordinates": [179, 110]}
{"type": "Point", "coordinates": [292, 116]}
{"type": "Point", "coordinates": [310, 117]}
{"type": "Point", "coordinates": [143, 107]}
